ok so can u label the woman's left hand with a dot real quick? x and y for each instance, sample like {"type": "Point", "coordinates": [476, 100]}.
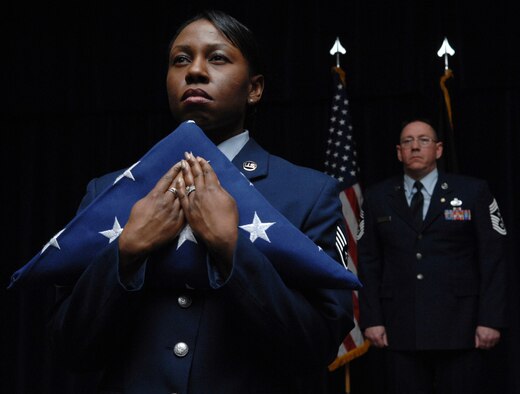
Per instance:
{"type": "Point", "coordinates": [209, 209]}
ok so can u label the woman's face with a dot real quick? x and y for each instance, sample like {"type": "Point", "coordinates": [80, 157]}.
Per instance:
{"type": "Point", "coordinates": [208, 81]}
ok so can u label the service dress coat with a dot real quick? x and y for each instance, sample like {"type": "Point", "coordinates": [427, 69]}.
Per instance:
{"type": "Point", "coordinates": [432, 285]}
{"type": "Point", "coordinates": [248, 334]}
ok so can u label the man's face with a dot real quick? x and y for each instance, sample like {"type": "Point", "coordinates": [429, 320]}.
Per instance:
{"type": "Point", "coordinates": [418, 149]}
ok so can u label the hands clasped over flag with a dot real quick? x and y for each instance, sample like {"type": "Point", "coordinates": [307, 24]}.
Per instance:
{"type": "Point", "coordinates": [298, 260]}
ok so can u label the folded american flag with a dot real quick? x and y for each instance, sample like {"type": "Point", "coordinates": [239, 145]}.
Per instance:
{"type": "Point", "coordinates": [298, 260]}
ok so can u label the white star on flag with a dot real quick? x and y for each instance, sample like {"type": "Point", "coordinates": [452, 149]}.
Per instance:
{"type": "Point", "coordinates": [127, 174]}
{"type": "Point", "coordinates": [186, 235]}
{"type": "Point", "coordinates": [114, 232]}
{"type": "Point", "coordinates": [53, 242]}
{"type": "Point", "coordinates": [257, 229]}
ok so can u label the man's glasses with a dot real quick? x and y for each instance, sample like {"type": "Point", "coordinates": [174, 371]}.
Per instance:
{"type": "Point", "coordinates": [423, 141]}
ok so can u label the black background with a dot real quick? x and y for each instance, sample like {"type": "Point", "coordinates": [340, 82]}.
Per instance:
{"type": "Point", "coordinates": [84, 93]}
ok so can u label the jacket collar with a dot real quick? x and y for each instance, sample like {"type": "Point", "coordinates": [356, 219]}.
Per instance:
{"type": "Point", "coordinates": [441, 198]}
{"type": "Point", "coordinates": [439, 202]}
{"type": "Point", "coordinates": [252, 160]}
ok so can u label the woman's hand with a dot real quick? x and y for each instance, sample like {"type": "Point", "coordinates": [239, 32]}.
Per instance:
{"type": "Point", "coordinates": [154, 220]}
{"type": "Point", "coordinates": [209, 209]}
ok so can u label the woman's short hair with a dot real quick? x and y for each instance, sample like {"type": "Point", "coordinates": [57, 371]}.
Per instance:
{"type": "Point", "coordinates": [237, 33]}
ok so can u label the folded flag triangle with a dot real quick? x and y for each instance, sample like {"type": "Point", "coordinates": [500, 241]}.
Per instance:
{"type": "Point", "coordinates": [298, 260]}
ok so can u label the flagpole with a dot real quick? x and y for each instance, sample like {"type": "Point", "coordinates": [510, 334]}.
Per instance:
{"type": "Point", "coordinates": [336, 50]}
{"type": "Point", "coordinates": [447, 75]}
{"type": "Point", "coordinates": [444, 51]}
{"type": "Point", "coordinates": [347, 378]}
{"type": "Point", "coordinates": [341, 162]}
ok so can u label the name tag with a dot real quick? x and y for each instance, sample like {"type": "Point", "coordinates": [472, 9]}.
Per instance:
{"type": "Point", "coordinates": [457, 214]}
{"type": "Point", "coordinates": [382, 219]}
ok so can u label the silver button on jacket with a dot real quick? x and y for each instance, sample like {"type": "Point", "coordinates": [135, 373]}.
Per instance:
{"type": "Point", "coordinates": [181, 349]}
{"type": "Point", "coordinates": [184, 301]}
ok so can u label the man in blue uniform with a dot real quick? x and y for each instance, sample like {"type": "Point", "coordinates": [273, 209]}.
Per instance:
{"type": "Point", "coordinates": [431, 261]}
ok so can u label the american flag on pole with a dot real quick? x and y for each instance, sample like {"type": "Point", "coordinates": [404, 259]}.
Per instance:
{"type": "Point", "coordinates": [341, 163]}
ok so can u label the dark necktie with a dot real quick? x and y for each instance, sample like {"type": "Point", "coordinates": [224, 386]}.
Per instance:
{"type": "Point", "coordinates": [417, 204]}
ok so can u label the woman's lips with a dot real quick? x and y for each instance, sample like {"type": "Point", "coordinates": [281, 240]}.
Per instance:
{"type": "Point", "coordinates": [196, 96]}
{"type": "Point", "coordinates": [196, 100]}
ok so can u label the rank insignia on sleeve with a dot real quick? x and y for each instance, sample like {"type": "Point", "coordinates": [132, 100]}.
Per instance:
{"type": "Point", "coordinates": [496, 218]}
{"type": "Point", "coordinates": [361, 228]}
{"type": "Point", "coordinates": [342, 246]}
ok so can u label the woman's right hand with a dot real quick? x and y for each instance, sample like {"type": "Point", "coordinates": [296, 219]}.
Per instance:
{"type": "Point", "coordinates": [154, 221]}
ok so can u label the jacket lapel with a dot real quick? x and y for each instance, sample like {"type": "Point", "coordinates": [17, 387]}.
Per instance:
{"type": "Point", "coordinates": [440, 200]}
{"type": "Point", "coordinates": [397, 201]}
{"type": "Point", "coordinates": [252, 161]}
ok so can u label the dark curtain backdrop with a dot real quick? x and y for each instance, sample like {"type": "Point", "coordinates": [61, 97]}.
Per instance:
{"type": "Point", "coordinates": [83, 91]}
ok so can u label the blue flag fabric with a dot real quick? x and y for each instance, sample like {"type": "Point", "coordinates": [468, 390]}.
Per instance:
{"type": "Point", "coordinates": [298, 260]}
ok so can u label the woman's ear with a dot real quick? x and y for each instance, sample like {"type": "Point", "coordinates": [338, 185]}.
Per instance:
{"type": "Point", "coordinates": [256, 89]}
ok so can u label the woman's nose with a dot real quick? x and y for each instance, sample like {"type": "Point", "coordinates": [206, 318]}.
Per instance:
{"type": "Point", "coordinates": [197, 71]}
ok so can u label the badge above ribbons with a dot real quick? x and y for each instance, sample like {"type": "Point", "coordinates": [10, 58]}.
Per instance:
{"type": "Point", "coordinates": [299, 261]}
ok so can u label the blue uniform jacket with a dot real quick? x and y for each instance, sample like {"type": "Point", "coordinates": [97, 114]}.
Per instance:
{"type": "Point", "coordinates": [250, 334]}
{"type": "Point", "coordinates": [430, 286]}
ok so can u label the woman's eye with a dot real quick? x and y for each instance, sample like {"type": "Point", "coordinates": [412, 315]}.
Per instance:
{"type": "Point", "coordinates": [218, 58]}
{"type": "Point", "coordinates": [180, 59]}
